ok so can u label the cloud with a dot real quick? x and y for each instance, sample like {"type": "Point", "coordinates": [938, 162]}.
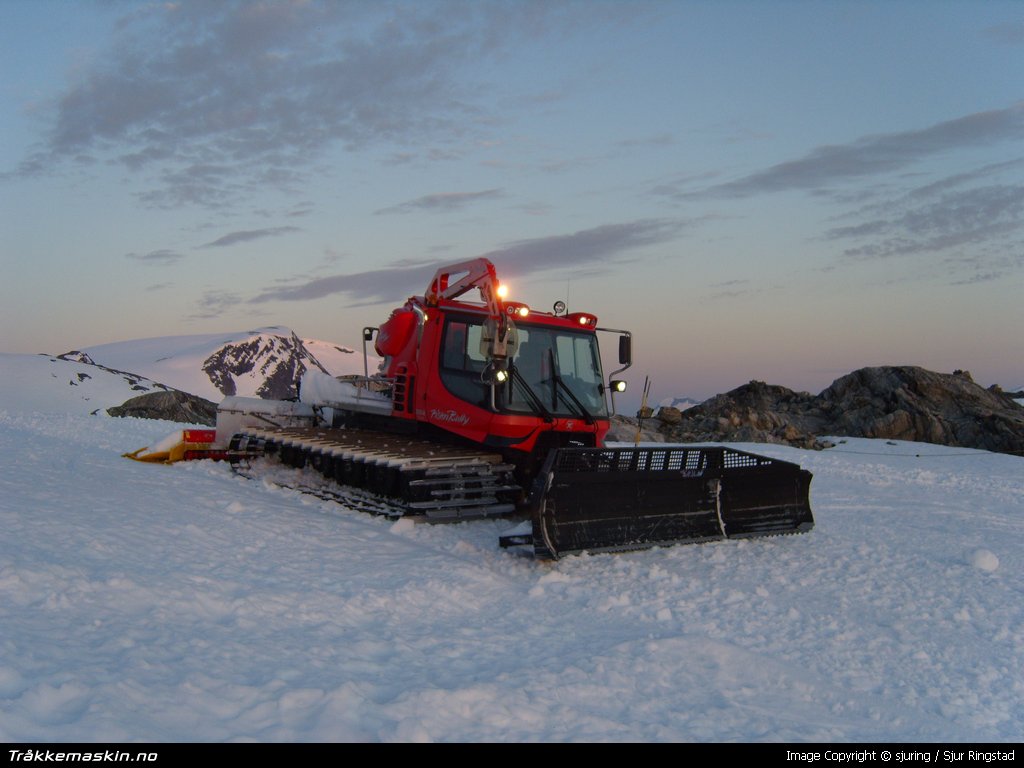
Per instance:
{"type": "Point", "coordinates": [589, 247]}
{"type": "Point", "coordinates": [981, 209]}
{"type": "Point", "coordinates": [660, 140]}
{"type": "Point", "coordinates": [964, 217]}
{"type": "Point", "coordinates": [567, 164]}
{"type": "Point", "coordinates": [877, 154]}
{"type": "Point", "coordinates": [247, 235]}
{"type": "Point", "coordinates": [599, 247]}
{"type": "Point", "coordinates": [213, 304]}
{"type": "Point", "coordinates": [985, 265]}
{"type": "Point", "coordinates": [1008, 33]}
{"type": "Point", "coordinates": [535, 208]}
{"type": "Point", "coordinates": [675, 186]}
{"type": "Point", "coordinates": [442, 201]}
{"type": "Point", "coordinates": [210, 185]}
{"type": "Point", "coordinates": [214, 99]}
{"type": "Point", "coordinates": [979, 277]}
{"type": "Point", "coordinates": [732, 289]}
{"type": "Point", "coordinates": [374, 285]}
{"type": "Point", "coordinates": [960, 179]}
{"type": "Point", "coordinates": [163, 256]}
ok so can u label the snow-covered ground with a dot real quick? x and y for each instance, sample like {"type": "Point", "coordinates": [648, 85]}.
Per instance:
{"type": "Point", "coordinates": [187, 603]}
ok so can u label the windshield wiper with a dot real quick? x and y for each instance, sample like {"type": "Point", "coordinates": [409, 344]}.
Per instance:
{"type": "Point", "coordinates": [534, 399]}
{"type": "Point", "coordinates": [587, 416]}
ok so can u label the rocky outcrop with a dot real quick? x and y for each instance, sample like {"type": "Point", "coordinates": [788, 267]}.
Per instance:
{"type": "Point", "coordinates": [169, 406]}
{"type": "Point", "coordinates": [891, 402]}
{"type": "Point", "coordinates": [669, 414]}
{"type": "Point", "coordinates": [624, 430]}
{"type": "Point", "coordinates": [754, 413]}
{"type": "Point", "coordinates": [909, 403]}
{"type": "Point", "coordinates": [75, 356]}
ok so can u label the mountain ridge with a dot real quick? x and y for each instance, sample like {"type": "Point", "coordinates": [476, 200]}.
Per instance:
{"type": "Point", "coordinates": [263, 362]}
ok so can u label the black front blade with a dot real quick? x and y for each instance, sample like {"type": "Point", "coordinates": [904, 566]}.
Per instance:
{"type": "Point", "coordinates": [605, 499]}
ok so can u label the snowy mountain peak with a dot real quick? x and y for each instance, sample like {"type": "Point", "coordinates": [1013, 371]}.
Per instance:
{"type": "Point", "coordinates": [682, 403]}
{"type": "Point", "coordinates": [262, 362]}
{"type": "Point", "coordinates": [265, 364]}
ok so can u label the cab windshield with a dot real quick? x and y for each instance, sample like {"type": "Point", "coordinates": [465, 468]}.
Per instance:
{"type": "Point", "coordinates": [552, 371]}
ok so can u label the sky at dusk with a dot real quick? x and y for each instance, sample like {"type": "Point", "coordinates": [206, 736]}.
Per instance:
{"type": "Point", "coordinates": [782, 191]}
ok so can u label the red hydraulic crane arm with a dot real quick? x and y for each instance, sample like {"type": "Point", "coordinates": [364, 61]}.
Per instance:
{"type": "Point", "coordinates": [476, 273]}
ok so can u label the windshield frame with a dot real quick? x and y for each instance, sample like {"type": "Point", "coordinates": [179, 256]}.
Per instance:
{"type": "Point", "coordinates": [554, 371]}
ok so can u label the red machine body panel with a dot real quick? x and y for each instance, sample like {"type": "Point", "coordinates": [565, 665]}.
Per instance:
{"type": "Point", "coordinates": [434, 353]}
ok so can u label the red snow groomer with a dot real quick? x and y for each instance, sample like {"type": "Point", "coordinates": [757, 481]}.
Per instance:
{"type": "Point", "coordinates": [489, 407]}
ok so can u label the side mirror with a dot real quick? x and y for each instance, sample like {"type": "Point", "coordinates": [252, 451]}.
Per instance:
{"type": "Point", "coordinates": [625, 350]}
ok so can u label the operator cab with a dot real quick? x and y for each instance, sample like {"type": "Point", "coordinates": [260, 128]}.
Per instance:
{"type": "Point", "coordinates": [550, 371]}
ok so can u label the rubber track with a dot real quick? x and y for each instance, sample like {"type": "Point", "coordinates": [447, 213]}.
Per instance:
{"type": "Point", "coordinates": [407, 474]}
{"type": "Point", "coordinates": [297, 480]}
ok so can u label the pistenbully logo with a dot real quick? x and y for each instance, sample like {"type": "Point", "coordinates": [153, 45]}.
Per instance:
{"type": "Point", "coordinates": [451, 416]}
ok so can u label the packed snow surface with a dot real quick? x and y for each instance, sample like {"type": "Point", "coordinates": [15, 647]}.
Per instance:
{"type": "Point", "coordinates": [147, 602]}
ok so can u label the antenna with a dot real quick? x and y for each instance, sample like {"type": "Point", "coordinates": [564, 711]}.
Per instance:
{"type": "Point", "coordinates": [643, 407]}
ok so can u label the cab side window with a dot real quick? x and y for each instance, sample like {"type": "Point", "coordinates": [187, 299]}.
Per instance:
{"type": "Point", "coordinates": [462, 363]}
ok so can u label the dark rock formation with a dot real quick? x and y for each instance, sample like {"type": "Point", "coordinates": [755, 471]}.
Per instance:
{"type": "Point", "coordinates": [74, 356]}
{"type": "Point", "coordinates": [896, 403]}
{"type": "Point", "coordinates": [169, 406]}
{"type": "Point", "coordinates": [754, 413]}
{"type": "Point", "coordinates": [909, 403]}
{"type": "Point", "coordinates": [624, 429]}
{"type": "Point", "coordinates": [668, 414]}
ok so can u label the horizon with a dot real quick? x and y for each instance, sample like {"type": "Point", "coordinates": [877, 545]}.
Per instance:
{"type": "Point", "coordinates": [147, 357]}
{"type": "Point", "coordinates": [779, 192]}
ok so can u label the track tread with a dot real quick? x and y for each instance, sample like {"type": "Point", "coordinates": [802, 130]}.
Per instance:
{"type": "Point", "coordinates": [407, 474]}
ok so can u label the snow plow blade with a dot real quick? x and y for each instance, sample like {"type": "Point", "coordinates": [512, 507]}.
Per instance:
{"type": "Point", "coordinates": [612, 499]}
{"type": "Point", "coordinates": [182, 445]}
